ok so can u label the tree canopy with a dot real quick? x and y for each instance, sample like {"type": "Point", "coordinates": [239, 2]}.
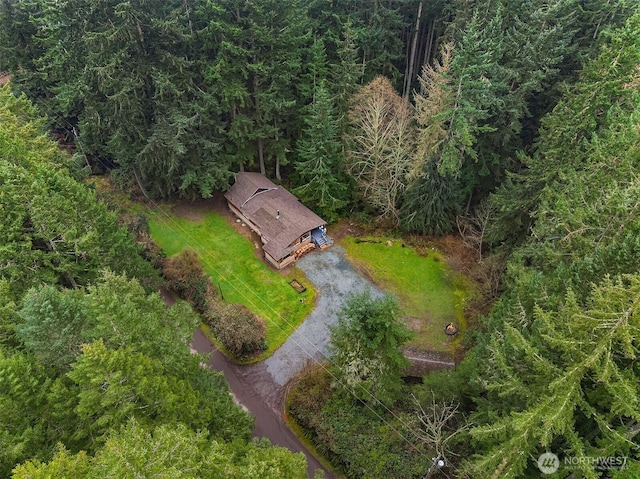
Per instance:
{"type": "Point", "coordinates": [366, 345]}
{"type": "Point", "coordinates": [426, 116]}
{"type": "Point", "coordinates": [94, 367]}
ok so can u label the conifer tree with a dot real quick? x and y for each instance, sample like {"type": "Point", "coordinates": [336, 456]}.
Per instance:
{"type": "Point", "coordinates": [565, 133]}
{"type": "Point", "coordinates": [345, 75]}
{"type": "Point", "coordinates": [52, 228]}
{"type": "Point", "coordinates": [319, 170]}
{"type": "Point", "coordinates": [571, 384]}
{"type": "Point", "coordinates": [366, 346]}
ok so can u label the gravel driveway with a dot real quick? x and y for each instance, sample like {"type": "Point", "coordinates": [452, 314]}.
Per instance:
{"type": "Point", "coordinates": [335, 279]}
{"type": "Point", "coordinates": [259, 387]}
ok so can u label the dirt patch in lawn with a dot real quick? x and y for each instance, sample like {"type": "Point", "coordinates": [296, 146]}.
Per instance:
{"type": "Point", "coordinates": [345, 228]}
{"type": "Point", "coordinates": [195, 210]}
{"type": "Point", "coordinates": [413, 323]}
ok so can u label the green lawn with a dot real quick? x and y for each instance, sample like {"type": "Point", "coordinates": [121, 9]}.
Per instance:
{"type": "Point", "coordinates": [230, 259]}
{"type": "Point", "coordinates": [430, 293]}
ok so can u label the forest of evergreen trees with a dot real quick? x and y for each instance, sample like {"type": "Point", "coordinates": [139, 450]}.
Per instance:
{"type": "Point", "coordinates": [344, 100]}
{"type": "Point", "coordinates": [515, 122]}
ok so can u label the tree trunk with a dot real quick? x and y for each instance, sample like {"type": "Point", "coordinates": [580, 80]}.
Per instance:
{"type": "Point", "coordinates": [412, 57]}
{"type": "Point", "coordinates": [144, 191]}
{"type": "Point", "coordinates": [263, 170]}
{"type": "Point", "coordinates": [429, 47]}
{"type": "Point", "coordinates": [275, 125]}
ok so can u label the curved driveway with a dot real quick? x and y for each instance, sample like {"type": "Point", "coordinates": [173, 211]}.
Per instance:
{"type": "Point", "coordinates": [260, 387]}
{"type": "Point", "coordinates": [335, 279]}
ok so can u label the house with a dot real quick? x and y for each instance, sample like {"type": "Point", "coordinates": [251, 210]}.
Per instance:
{"type": "Point", "coordinates": [287, 228]}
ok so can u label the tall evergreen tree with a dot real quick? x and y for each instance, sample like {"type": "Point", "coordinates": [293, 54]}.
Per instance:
{"type": "Point", "coordinates": [155, 122]}
{"type": "Point", "coordinates": [53, 230]}
{"type": "Point", "coordinates": [565, 133]}
{"type": "Point", "coordinates": [24, 385]}
{"type": "Point", "coordinates": [378, 29]}
{"type": "Point", "coordinates": [366, 344]}
{"type": "Point", "coordinates": [315, 70]}
{"type": "Point", "coordinates": [54, 325]}
{"type": "Point", "coordinates": [430, 203]}
{"type": "Point", "coordinates": [320, 168]}
{"type": "Point", "coordinates": [432, 198]}
{"type": "Point", "coordinates": [174, 451]}
{"type": "Point", "coordinates": [558, 366]}
{"type": "Point", "coordinates": [262, 43]}
{"type": "Point", "coordinates": [571, 383]}
{"type": "Point", "coordinates": [344, 76]}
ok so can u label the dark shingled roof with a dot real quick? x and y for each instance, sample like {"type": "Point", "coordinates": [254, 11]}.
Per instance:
{"type": "Point", "coordinates": [260, 200]}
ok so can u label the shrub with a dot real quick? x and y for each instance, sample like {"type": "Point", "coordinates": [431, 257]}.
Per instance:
{"type": "Point", "coordinates": [135, 223]}
{"type": "Point", "coordinates": [151, 251]}
{"type": "Point", "coordinates": [240, 331]}
{"type": "Point", "coordinates": [186, 277]}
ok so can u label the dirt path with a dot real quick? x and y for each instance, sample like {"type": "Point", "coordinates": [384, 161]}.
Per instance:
{"type": "Point", "coordinates": [254, 389]}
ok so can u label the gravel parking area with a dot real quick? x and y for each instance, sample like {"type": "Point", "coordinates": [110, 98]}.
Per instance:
{"type": "Point", "coordinates": [335, 280]}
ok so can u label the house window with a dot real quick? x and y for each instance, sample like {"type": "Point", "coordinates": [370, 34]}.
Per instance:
{"type": "Point", "coordinates": [305, 236]}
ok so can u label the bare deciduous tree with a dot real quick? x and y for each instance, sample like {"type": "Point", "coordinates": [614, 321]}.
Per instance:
{"type": "Point", "coordinates": [380, 146]}
{"type": "Point", "coordinates": [437, 424]}
{"type": "Point", "coordinates": [472, 228]}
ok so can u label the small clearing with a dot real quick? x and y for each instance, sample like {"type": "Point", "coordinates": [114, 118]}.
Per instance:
{"type": "Point", "coordinates": [431, 293]}
{"type": "Point", "coordinates": [234, 265]}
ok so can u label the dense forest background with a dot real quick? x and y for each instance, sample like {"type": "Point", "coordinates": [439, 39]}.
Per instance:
{"type": "Point", "coordinates": [513, 123]}
{"type": "Point", "coordinates": [178, 95]}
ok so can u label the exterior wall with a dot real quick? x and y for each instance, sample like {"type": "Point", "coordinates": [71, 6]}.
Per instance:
{"type": "Point", "coordinates": [271, 261]}
{"type": "Point", "coordinates": [287, 261]}
{"type": "Point", "coordinates": [300, 243]}
{"type": "Point", "coordinates": [279, 265]}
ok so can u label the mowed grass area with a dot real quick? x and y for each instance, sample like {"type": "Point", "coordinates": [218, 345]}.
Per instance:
{"type": "Point", "coordinates": [430, 293]}
{"type": "Point", "coordinates": [230, 259]}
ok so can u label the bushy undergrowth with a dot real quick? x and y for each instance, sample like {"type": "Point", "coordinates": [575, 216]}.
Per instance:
{"type": "Point", "coordinates": [241, 332]}
{"type": "Point", "coordinates": [138, 226]}
{"type": "Point", "coordinates": [186, 277]}
{"type": "Point", "coordinates": [363, 442]}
